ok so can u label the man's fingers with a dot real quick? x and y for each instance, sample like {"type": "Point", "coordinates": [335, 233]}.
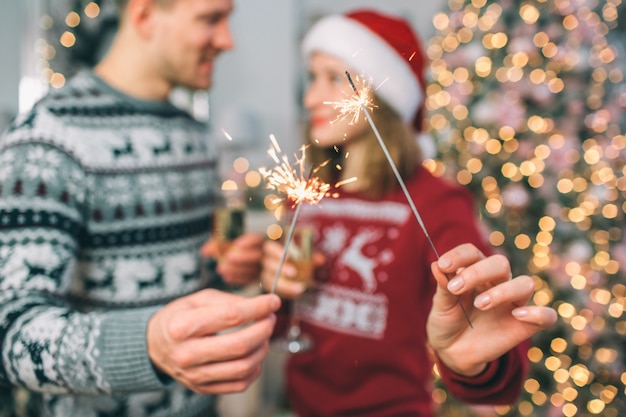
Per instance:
{"type": "Point", "coordinates": [239, 274]}
{"type": "Point", "coordinates": [240, 369]}
{"type": "Point", "coordinates": [209, 248]}
{"type": "Point", "coordinates": [249, 239]}
{"type": "Point", "coordinates": [247, 248]}
{"type": "Point", "coordinates": [227, 387]}
{"type": "Point", "coordinates": [216, 315]}
{"type": "Point", "coordinates": [231, 345]}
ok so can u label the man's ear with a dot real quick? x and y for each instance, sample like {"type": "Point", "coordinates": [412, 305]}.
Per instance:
{"type": "Point", "coordinates": [140, 15]}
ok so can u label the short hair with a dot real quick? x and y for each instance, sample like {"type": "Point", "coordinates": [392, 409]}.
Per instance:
{"type": "Point", "coordinates": [122, 4]}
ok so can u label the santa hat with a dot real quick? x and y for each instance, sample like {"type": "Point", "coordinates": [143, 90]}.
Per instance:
{"type": "Point", "coordinates": [379, 46]}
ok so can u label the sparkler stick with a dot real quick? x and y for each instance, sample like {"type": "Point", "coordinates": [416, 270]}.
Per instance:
{"type": "Point", "coordinates": [287, 242]}
{"type": "Point", "coordinates": [298, 188]}
{"type": "Point", "coordinates": [401, 182]}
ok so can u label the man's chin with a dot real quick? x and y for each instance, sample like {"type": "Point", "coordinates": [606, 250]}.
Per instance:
{"type": "Point", "coordinates": [196, 86]}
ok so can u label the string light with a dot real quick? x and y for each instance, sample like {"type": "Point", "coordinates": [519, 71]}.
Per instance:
{"type": "Point", "coordinates": [527, 109]}
{"type": "Point", "coordinates": [48, 47]}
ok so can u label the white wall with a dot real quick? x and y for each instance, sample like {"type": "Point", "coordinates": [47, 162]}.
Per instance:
{"type": "Point", "coordinates": [10, 35]}
{"type": "Point", "coordinates": [254, 84]}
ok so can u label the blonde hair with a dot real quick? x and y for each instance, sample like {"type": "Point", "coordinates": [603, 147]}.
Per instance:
{"type": "Point", "coordinates": [378, 177]}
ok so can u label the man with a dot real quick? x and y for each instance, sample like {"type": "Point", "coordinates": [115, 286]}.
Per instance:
{"type": "Point", "coordinates": [106, 192]}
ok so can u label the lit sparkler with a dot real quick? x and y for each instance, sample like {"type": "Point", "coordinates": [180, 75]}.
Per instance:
{"type": "Point", "coordinates": [360, 101]}
{"type": "Point", "coordinates": [353, 105]}
{"type": "Point", "coordinates": [290, 180]}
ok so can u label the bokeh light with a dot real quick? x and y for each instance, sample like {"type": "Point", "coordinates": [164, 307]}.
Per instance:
{"type": "Point", "coordinates": [541, 144]}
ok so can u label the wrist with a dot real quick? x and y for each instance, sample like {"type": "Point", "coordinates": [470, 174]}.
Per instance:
{"type": "Point", "coordinates": [462, 369]}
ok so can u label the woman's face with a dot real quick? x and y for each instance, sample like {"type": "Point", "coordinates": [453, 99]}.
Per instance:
{"type": "Point", "coordinates": [328, 84]}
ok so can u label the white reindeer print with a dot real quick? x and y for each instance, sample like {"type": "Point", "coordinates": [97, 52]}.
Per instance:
{"type": "Point", "coordinates": [354, 258]}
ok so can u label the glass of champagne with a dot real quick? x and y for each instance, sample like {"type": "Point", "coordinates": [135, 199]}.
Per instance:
{"type": "Point", "coordinates": [300, 254]}
{"type": "Point", "coordinates": [228, 221]}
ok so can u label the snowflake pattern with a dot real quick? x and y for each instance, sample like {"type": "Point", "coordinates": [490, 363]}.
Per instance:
{"type": "Point", "coordinates": [116, 191]}
{"type": "Point", "coordinates": [42, 164]}
{"type": "Point", "coordinates": [335, 239]}
{"type": "Point", "coordinates": [152, 186]}
{"type": "Point", "coordinates": [75, 186]}
{"type": "Point", "coordinates": [5, 166]}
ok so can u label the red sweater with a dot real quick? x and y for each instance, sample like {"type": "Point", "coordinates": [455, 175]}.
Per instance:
{"type": "Point", "coordinates": [367, 317]}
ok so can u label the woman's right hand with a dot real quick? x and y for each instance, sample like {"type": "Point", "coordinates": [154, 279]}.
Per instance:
{"type": "Point", "coordinates": [288, 285]}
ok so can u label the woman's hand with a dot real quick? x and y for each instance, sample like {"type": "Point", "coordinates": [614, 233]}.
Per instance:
{"type": "Point", "coordinates": [288, 285]}
{"type": "Point", "coordinates": [495, 303]}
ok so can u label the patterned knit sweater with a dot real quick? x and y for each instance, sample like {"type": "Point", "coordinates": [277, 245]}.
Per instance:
{"type": "Point", "coordinates": [104, 203]}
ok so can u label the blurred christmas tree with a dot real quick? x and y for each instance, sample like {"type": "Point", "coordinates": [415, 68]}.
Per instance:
{"type": "Point", "coordinates": [527, 109]}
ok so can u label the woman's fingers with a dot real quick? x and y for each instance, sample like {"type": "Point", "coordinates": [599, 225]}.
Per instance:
{"type": "Point", "coordinates": [286, 286]}
{"type": "Point", "coordinates": [516, 291]}
{"type": "Point", "coordinates": [459, 257]}
{"type": "Point", "coordinates": [481, 274]}
{"type": "Point", "coordinates": [543, 317]}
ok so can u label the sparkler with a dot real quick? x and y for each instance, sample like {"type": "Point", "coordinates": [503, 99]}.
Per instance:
{"type": "Point", "coordinates": [298, 188]}
{"type": "Point", "coordinates": [361, 103]}
{"type": "Point", "coordinates": [354, 105]}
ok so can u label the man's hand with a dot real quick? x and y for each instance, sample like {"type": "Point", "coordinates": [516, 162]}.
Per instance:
{"type": "Point", "coordinates": [198, 341]}
{"type": "Point", "coordinates": [241, 264]}
{"type": "Point", "coordinates": [495, 302]}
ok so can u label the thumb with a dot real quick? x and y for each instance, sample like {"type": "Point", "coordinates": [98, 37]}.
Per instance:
{"type": "Point", "coordinates": [443, 298]}
{"type": "Point", "coordinates": [208, 249]}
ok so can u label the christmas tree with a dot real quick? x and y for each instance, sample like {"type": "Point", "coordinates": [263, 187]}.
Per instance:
{"type": "Point", "coordinates": [526, 105]}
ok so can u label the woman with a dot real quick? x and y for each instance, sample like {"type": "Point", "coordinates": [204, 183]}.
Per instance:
{"type": "Point", "coordinates": [376, 316]}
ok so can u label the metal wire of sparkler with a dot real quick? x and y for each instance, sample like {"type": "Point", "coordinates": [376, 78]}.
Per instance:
{"type": "Point", "coordinates": [289, 179]}
{"type": "Point", "coordinates": [363, 107]}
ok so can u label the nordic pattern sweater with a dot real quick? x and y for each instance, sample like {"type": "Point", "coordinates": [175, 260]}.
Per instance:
{"type": "Point", "coordinates": [104, 203]}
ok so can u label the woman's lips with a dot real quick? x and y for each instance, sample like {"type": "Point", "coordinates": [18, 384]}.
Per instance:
{"type": "Point", "coordinates": [319, 121]}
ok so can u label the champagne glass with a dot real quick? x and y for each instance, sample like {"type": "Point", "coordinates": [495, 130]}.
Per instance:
{"type": "Point", "coordinates": [300, 254]}
{"type": "Point", "coordinates": [228, 221]}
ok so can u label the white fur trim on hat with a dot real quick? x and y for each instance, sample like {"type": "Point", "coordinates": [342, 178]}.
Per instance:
{"type": "Point", "coordinates": [370, 56]}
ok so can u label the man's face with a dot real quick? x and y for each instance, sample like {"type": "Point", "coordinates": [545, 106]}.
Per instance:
{"type": "Point", "coordinates": [188, 36]}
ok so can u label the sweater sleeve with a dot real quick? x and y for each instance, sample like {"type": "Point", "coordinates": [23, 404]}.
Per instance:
{"type": "Point", "coordinates": [455, 222]}
{"type": "Point", "coordinates": [499, 384]}
{"type": "Point", "coordinates": [46, 344]}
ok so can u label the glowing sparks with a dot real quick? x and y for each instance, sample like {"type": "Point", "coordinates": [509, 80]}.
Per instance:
{"type": "Point", "coordinates": [228, 136]}
{"type": "Point", "coordinates": [346, 181]}
{"type": "Point", "coordinates": [291, 180]}
{"type": "Point", "coordinates": [354, 103]}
